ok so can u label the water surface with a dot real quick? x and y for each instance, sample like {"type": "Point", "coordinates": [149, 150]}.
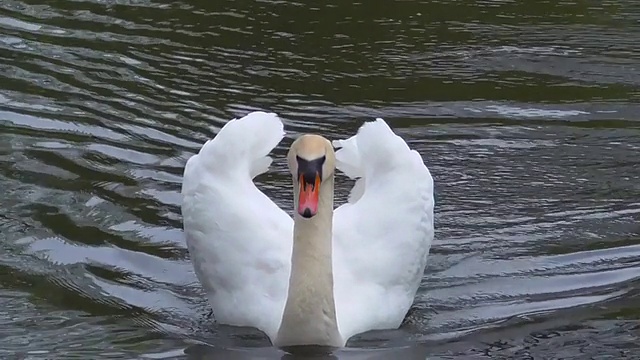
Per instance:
{"type": "Point", "coordinates": [526, 114]}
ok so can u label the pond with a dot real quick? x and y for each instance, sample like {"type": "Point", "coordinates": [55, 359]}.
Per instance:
{"type": "Point", "coordinates": [526, 114]}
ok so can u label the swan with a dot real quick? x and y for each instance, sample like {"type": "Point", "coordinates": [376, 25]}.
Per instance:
{"type": "Point", "coordinates": [324, 275]}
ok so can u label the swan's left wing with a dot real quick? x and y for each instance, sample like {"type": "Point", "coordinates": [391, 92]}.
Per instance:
{"type": "Point", "coordinates": [239, 240]}
{"type": "Point", "coordinates": [382, 236]}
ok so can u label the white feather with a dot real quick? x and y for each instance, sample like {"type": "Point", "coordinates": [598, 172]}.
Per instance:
{"type": "Point", "coordinates": [241, 242]}
{"type": "Point", "coordinates": [382, 240]}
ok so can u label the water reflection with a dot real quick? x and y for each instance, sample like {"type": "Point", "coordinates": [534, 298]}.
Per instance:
{"type": "Point", "coordinates": [202, 352]}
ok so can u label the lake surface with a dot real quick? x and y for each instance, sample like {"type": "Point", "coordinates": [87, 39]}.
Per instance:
{"type": "Point", "coordinates": [527, 116]}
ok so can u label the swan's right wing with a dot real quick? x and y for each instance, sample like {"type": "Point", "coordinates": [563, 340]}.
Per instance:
{"type": "Point", "coordinates": [382, 236]}
{"type": "Point", "coordinates": [240, 241]}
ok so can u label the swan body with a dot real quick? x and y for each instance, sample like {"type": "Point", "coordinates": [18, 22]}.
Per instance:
{"type": "Point", "coordinates": [316, 278]}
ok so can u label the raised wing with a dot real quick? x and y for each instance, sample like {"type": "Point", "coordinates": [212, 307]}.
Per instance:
{"type": "Point", "coordinates": [382, 236]}
{"type": "Point", "coordinates": [240, 241]}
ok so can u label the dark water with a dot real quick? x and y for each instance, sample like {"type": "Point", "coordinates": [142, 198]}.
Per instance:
{"type": "Point", "coordinates": [527, 114]}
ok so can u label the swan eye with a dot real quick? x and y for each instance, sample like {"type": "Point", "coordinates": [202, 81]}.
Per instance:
{"type": "Point", "coordinates": [309, 169]}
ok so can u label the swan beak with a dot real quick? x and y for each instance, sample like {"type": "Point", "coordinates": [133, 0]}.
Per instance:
{"type": "Point", "coordinates": [308, 198]}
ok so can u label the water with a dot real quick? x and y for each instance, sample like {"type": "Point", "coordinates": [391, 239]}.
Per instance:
{"type": "Point", "coordinates": [527, 116]}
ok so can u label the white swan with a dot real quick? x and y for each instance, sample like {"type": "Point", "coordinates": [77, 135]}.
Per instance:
{"type": "Point", "coordinates": [325, 275]}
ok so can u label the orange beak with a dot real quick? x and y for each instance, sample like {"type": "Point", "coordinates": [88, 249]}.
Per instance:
{"type": "Point", "coordinates": [308, 198]}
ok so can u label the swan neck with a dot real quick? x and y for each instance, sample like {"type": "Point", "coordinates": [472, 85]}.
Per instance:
{"type": "Point", "coordinates": [310, 316]}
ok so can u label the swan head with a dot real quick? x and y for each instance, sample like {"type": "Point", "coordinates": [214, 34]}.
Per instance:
{"type": "Point", "coordinates": [311, 162]}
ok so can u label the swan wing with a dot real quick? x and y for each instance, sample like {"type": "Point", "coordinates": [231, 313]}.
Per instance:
{"type": "Point", "coordinates": [382, 236]}
{"type": "Point", "coordinates": [239, 241]}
